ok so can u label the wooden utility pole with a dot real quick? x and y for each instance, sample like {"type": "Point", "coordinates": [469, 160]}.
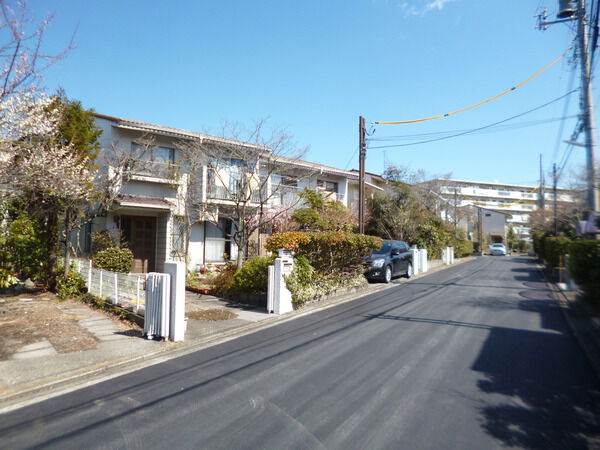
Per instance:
{"type": "Point", "coordinates": [362, 147]}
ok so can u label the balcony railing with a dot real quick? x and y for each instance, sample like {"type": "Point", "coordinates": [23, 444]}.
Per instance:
{"type": "Point", "coordinates": [157, 169]}
{"type": "Point", "coordinates": [214, 192]}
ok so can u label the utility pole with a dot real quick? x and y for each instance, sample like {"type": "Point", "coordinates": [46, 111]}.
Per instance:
{"type": "Point", "coordinates": [362, 147]}
{"type": "Point", "coordinates": [555, 182]}
{"type": "Point", "coordinates": [588, 106]}
{"type": "Point", "coordinates": [575, 10]}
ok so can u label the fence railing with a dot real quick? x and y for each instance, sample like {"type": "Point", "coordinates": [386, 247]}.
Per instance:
{"type": "Point", "coordinates": [124, 290]}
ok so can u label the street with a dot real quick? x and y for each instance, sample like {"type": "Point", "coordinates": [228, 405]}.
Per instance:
{"type": "Point", "coordinates": [476, 356]}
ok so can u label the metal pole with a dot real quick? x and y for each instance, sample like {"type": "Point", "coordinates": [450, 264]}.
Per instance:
{"type": "Point", "coordinates": [588, 107]}
{"type": "Point", "coordinates": [361, 174]}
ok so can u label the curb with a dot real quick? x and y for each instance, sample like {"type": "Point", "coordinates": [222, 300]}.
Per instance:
{"type": "Point", "coordinates": [90, 375]}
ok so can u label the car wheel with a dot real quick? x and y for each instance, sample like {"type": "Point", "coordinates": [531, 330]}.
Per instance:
{"type": "Point", "coordinates": [409, 271]}
{"type": "Point", "coordinates": [387, 276]}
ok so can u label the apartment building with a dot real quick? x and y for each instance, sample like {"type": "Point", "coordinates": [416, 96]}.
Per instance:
{"type": "Point", "coordinates": [517, 201]}
{"type": "Point", "coordinates": [160, 197]}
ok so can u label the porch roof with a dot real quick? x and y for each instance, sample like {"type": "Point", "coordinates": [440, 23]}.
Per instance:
{"type": "Point", "coordinates": [139, 201]}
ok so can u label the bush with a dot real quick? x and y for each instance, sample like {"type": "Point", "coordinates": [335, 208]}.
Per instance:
{"type": "Point", "coordinates": [291, 240]}
{"type": "Point", "coordinates": [223, 282]}
{"type": "Point", "coordinates": [114, 259]}
{"type": "Point", "coordinates": [7, 279]}
{"type": "Point", "coordinates": [522, 246]}
{"type": "Point", "coordinates": [71, 286]}
{"type": "Point", "coordinates": [433, 235]}
{"type": "Point", "coordinates": [102, 240]}
{"type": "Point", "coordinates": [328, 251]}
{"type": "Point", "coordinates": [253, 277]}
{"type": "Point", "coordinates": [584, 267]}
{"type": "Point", "coordinates": [21, 249]}
{"type": "Point", "coordinates": [463, 247]}
{"type": "Point", "coordinates": [554, 248]}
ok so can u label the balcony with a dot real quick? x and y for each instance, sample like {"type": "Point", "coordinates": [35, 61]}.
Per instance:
{"type": "Point", "coordinates": [214, 192]}
{"type": "Point", "coordinates": [144, 170]}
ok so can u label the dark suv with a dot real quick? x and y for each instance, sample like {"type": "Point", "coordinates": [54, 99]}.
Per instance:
{"type": "Point", "coordinates": [392, 259]}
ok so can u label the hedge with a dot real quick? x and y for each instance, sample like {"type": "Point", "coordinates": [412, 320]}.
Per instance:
{"type": "Point", "coordinates": [327, 251]}
{"type": "Point", "coordinates": [555, 247]}
{"type": "Point", "coordinates": [584, 267]}
{"type": "Point", "coordinates": [114, 259]}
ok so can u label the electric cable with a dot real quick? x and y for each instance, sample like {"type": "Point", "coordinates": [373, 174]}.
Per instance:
{"type": "Point", "coordinates": [495, 97]}
{"type": "Point", "coordinates": [562, 123]}
{"type": "Point", "coordinates": [480, 128]}
{"type": "Point", "coordinates": [494, 129]}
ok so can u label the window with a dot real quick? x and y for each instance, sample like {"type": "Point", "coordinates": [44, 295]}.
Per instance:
{"type": "Point", "coordinates": [329, 186]}
{"type": "Point", "coordinates": [153, 160]}
{"type": "Point", "coordinates": [178, 236]}
{"type": "Point", "coordinates": [218, 245]}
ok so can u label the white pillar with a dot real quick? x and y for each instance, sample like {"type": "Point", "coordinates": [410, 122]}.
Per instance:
{"type": "Point", "coordinates": [271, 290]}
{"type": "Point", "coordinates": [423, 260]}
{"type": "Point", "coordinates": [415, 260]}
{"type": "Point", "coordinates": [177, 314]}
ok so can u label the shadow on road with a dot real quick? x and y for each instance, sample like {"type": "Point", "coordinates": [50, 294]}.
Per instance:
{"type": "Point", "coordinates": [547, 408]}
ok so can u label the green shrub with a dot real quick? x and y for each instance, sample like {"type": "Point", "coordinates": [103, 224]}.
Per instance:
{"type": "Point", "coordinates": [223, 281]}
{"type": "Point", "coordinates": [291, 240]}
{"type": "Point", "coordinates": [554, 248]}
{"type": "Point", "coordinates": [21, 248]}
{"type": "Point", "coordinates": [463, 247]}
{"type": "Point", "coordinates": [584, 267]}
{"type": "Point", "coordinates": [102, 240]}
{"type": "Point", "coordinates": [538, 243]}
{"type": "Point", "coordinates": [72, 286]}
{"type": "Point", "coordinates": [328, 251]}
{"type": "Point", "coordinates": [7, 279]}
{"type": "Point", "coordinates": [522, 246]}
{"type": "Point", "coordinates": [253, 276]}
{"type": "Point", "coordinates": [433, 235]}
{"type": "Point", "coordinates": [114, 259]}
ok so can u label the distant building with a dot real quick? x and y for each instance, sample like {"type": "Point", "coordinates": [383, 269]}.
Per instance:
{"type": "Point", "coordinates": [516, 201]}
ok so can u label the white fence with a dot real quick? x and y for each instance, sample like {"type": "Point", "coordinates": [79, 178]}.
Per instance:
{"type": "Point", "coordinates": [124, 290]}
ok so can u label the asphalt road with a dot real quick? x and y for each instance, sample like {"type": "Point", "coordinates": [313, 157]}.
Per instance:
{"type": "Point", "coordinates": [477, 356]}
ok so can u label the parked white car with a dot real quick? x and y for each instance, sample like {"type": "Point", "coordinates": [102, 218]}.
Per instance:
{"type": "Point", "coordinates": [497, 249]}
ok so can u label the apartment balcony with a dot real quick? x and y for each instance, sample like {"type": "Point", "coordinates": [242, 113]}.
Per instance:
{"type": "Point", "coordinates": [222, 193]}
{"type": "Point", "coordinates": [156, 171]}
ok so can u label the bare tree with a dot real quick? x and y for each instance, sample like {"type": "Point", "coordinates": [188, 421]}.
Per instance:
{"type": "Point", "coordinates": [22, 59]}
{"type": "Point", "coordinates": [249, 175]}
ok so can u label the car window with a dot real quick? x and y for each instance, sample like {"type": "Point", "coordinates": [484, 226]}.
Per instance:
{"type": "Point", "coordinates": [383, 250]}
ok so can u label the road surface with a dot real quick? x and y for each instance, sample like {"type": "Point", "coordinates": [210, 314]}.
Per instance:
{"type": "Point", "coordinates": [477, 356]}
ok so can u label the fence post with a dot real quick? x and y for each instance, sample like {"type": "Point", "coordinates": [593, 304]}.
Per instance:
{"type": "Point", "coordinates": [101, 276]}
{"type": "Point", "coordinates": [116, 289]}
{"type": "Point", "coordinates": [137, 295]}
{"type": "Point", "coordinates": [176, 269]}
{"type": "Point", "coordinates": [90, 276]}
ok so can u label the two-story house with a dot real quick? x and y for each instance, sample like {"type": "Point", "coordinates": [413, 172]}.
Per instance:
{"type": "Point", "coordinates": [181, 194]}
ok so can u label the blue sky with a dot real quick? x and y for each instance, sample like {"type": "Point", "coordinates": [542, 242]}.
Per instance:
{"type": "Point", "coordinates": [314, 66]}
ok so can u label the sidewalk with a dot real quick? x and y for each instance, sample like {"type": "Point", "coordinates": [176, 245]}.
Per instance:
{"type": "Point", "coordinates": [38, 371]}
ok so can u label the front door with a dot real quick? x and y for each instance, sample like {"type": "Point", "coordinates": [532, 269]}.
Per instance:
{"type": "Point", "coordinates": [140, 234]}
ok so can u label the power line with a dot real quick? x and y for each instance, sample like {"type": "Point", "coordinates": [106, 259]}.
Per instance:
{"type": "Point", "coordinates": [480, 128]}
{"type": "Point", "coordinates": [495, 97]}
{"type": "Point", "coordinates": [530, 123]}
